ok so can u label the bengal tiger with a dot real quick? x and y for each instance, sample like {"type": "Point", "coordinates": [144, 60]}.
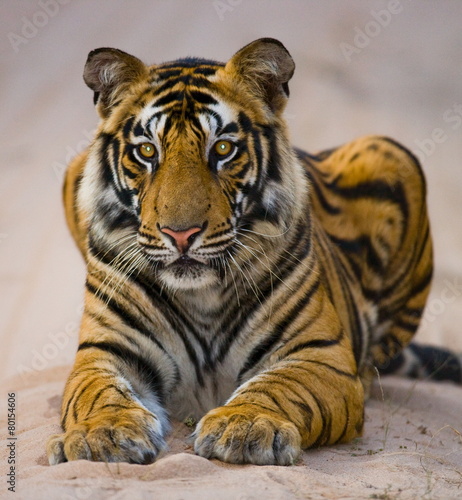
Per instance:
{"type": "Point", "coordinates": [232, 279]}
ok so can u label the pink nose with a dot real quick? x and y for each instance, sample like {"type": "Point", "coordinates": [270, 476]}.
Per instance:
{"type": "Point", "coordinates": [182, 239]}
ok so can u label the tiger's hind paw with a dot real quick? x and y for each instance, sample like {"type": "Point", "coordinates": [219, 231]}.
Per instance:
{"type": "Point", "coordinates": [245, 435]}
{"type": "Point", "coordinates": [132, 435]}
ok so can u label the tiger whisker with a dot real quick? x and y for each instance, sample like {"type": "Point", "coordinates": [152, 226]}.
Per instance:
{"type": "Point", "coordinates": [256, 291]}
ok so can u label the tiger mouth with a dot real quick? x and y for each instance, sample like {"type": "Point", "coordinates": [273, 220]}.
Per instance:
{"type": "Point", "coordinates": [186, 265]}
{"type": "Point", "coordinates": [186, 262]}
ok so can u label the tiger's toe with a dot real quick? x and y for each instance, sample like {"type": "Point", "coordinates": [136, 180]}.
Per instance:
{"type": "Point", "coordinates": [247, 437]}
{"type": "Point", "coordinates": [123, 438]}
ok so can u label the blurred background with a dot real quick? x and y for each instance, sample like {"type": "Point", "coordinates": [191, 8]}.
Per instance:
{"type": "Point", "coordinates": [384, 67]}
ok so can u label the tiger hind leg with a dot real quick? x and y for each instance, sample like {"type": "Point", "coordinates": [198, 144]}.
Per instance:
{"type": "Point", "coordinates": [369, 196]}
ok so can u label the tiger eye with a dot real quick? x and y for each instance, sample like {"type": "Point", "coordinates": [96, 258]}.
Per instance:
{"type": "Point", "coordinates": [147, 150]}
{"type": "Point", "coordinates": [223, 148]}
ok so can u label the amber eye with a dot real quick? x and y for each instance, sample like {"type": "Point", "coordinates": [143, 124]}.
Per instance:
{"type": "Point", "coordinates": [146, 150]}
{"type": "Point", "coordinates": [223, 148]}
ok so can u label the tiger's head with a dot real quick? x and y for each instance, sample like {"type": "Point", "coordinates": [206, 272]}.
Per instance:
{"type": "Point", "coordinates": [191, 162]}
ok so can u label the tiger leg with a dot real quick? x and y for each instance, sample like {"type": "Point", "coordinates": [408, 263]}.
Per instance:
{"type": "Point", "coordinates": [398, 279]}
{"type": "Point", "coordinates": [377, 212]}
{"type": "Point", "coordinates": [109, 412]}
{"type": "Point", "coordinates": [402, 315]}
{"type": "Point", "coordinates": [308, 394]}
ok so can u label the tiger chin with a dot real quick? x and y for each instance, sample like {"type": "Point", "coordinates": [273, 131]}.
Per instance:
{"type": "Point", "coordinates": [232, 278]}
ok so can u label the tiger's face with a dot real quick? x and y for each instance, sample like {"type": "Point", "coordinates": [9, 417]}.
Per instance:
{"type": "Point", "coordinates": [190, 156]}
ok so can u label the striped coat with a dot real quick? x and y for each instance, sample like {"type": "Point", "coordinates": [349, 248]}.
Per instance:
{"type": "Point", "coordinates": [232, 279]}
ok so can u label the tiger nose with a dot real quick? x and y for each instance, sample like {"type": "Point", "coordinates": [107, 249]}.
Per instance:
{"type": "Point", "coordinates": [182, 239]}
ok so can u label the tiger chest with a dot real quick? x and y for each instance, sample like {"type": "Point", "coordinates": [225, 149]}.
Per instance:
{"type": "Point", "coordinates": [193, 397]}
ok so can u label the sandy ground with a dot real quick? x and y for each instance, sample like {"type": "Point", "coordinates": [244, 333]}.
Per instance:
{"type": "Point", "coordinates": [390, 68]}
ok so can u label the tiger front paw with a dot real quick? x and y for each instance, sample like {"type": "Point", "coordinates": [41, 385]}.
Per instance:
{"type": "Point", "coordinates": [247, 435]}
{"type": "Point", "coordinates": [131, 435]}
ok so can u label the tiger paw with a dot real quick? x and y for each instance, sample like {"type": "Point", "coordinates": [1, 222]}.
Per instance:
{"type": "Point", "coordinates": [132, 435]}
{"type": "Point", "coordinates": [247, 435]}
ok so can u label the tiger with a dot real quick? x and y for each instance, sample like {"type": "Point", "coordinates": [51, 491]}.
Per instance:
{"type": "Point", "coordinates": [233, 280]}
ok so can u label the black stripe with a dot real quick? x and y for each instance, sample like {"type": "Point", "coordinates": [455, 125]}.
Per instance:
{"type": "Point", "coordinates": [190, 62]}
{"type": "Point", "coordinates": [202, 97]}
{"type": "Point", "coordinates": [148, 373]}
{"type": "Point", "coordinates": [229, 128]}
{"type": "Point", "coordinates": [106, 170]}
{"type": "Point", "coordinates": [206, 71]}
{"type": "Point", "coordinates": [123, 407]}
{"type": "Point", "coordinates": [101, 392]}
{"type": "Point", "coordinates": [306, 413]}
{"type": "Point", "coordinates": [168, 73]}
{"type": "Point", "coordinates": [126, 316]}
{"type": "Point", "coordinates": [352, 376]}
{"type": "Point", "coordinates": [310, 158]}
{"type": "Point", "coordinates": [103, 371]}
{"type": "Point", "coordinates": [409, 153]}
{"type": "Point", "coordinates": [347, 421]}
{"type": "Point", "coordinates": [319, 195]}
{"type": "Point", "coordinates": [274, 161]}
{"type": "Point", "coordinates": [406, 325]}
{"type": "Point", "coordinates": [127, 128]}
{"type": "Point", "coordinates": [377, 190]}
{"type": "Point", "coordinates": [119, 220]}
{"type": "Point", "coordinates": [178, 321]}
{"type": "Point", "coordinates": [298, 248]}
{"type": "Point", "coordinates": [169, 98]}
{"type": "Point", "coordinates": [129, 173]}
{"type": "Point", "coordinates": [422, 285]}
{"type": "Point", "coordinates": [262, 213]}
{"type": "Point", "coordinates": [77, 185]}
{"type": "Point", "coordinates": [413, 312]}
{"type": "Point", "coordinates": [269, 342]}
{"type": "Point", "coordinates": [313, 344]}
{"type": "Point", "coordinates": [75, 396]}
{"type": "Point", "coordinates": [400, 278]}
{"type": "Point", "coordinates": [424, 243]}
{"type": "Point", "coordinates": [133, 322]}
{"type": "Point", "coordinates": [167, 308]}
{"type": "Point", "coordinates": [326, 418]}
{"type": "Point", "coordinates": [138, 130]}
{"type": "Point", "coordinates": [254, 403]}
{"type": "Point", "coordinates": [357, 246]}
{"type": "Point", "coordinates": [356, 329]}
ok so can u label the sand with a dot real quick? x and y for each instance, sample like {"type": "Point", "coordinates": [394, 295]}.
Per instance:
{"type": "Point", "coordinates": [411, 448]}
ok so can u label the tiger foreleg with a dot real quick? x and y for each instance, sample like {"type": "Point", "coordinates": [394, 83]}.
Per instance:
{"type": "Point", "coordinates": [104, 416]}
{"type": "Point", "coordinates": [298, 403]}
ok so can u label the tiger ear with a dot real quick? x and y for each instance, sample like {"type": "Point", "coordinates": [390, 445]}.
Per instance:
{"type": "Point", "coordinates": [109, 72]}
{"type": "Point", "coordinates": [266, 66]}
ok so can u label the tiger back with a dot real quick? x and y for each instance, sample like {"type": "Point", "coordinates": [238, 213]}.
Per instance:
{"type": "Point", "coordinates": [232, 279]}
